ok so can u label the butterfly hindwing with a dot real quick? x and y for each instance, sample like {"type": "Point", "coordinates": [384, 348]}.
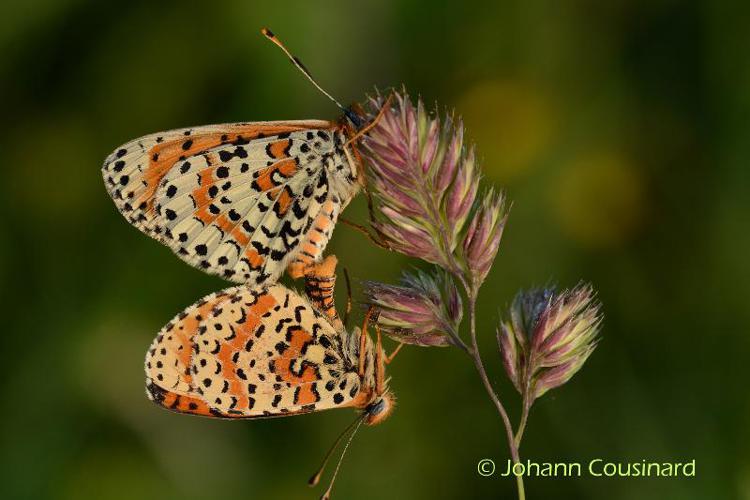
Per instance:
{"type": "Point", "coordinates": [234, 200]}
{"type": "Point", "coordinates": [248, 353]}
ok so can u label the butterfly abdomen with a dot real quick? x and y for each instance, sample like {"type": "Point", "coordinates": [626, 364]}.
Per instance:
{"type": "Point", "coordinates": [315, 241]}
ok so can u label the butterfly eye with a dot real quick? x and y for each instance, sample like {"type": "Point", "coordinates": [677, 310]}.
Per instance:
{"type": "Point", "coordinates": [376, 408]}
{"type": "Point", "coordinates": [380, 409]}
{"type": "Point", "coordinates": [356, 120]}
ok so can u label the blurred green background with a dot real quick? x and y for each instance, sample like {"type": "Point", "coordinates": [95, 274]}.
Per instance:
{"type": "Point", "coordinates": [619, 129]}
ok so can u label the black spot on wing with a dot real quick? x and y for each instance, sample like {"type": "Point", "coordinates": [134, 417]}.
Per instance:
{"type": "Point", "coordinates": [298, 313]}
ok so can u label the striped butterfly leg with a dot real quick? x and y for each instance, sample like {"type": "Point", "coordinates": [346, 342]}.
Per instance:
{"type": "Point", "coordinates": [379, 363]}
{"type": "Point", "coordinates": [381, 360]}
{"type": "Point", "coordinates": [320, 283]}
{"type": "Point", "coordinates": [370, 315]}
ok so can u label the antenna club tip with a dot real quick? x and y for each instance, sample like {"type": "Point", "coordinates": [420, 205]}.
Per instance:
{"type": "Point", "coordinates": [313, 481]}
{"type": "Point", "coordinates": [266, 32]}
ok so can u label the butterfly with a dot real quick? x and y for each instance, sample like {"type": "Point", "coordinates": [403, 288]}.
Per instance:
{"type": "Point", "coordinates": [259, 352]}
{"type": "Point", "coordinates": [244, 201]}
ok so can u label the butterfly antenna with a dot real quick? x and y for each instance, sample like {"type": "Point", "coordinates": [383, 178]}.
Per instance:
{"type": "Point", "coordinates": [295, 60]}
{"type": "Point", "coordinates": [316, 477]}
{"type": "Point", "coordinates": [327, 494]}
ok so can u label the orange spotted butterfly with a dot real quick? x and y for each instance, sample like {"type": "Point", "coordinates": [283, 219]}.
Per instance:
{"type": "Point", "coordinates": [247, 352]}
{"type": "Point", "coordinates": [242, 200]}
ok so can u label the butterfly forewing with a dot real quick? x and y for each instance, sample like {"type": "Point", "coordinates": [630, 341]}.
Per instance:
{"type": "Point", "coordinates": [235, 200]}
{"type": "Point", "coordinates": [246, 353]}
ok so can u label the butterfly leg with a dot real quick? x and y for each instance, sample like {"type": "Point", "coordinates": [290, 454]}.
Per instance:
{"type": "Point", "coordinates": [320, 282]}
{"type": "Point", "coordinates": [379, 363]}
{"type": "Point", "coordinates": [392, 355]}
{"type": "Point", "coordinates": [363, 340]}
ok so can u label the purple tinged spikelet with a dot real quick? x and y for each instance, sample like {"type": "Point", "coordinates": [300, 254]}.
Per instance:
{"type": "Point", "coordinates": [511, 355]}
{"type": "Point", "coordinates": [424, 310]}
{"type": "Point", "coordinates": [451, 158]}
{"type": "Point", "coordinates": [423, 179]}
{"type": "Point", "coordinates": [548, 337]}
{"type": "Point", "coordinates": [482, 238]}
{"type": "Point", "coordinates": [463, 191]}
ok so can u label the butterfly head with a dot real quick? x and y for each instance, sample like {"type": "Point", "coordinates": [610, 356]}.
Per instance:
{"type": "Point", "coordinates": [355, 117]}
{"type": "Point", "coordinates": [356, 125]}
{"type": "Point", "coordinates": [380, 408]}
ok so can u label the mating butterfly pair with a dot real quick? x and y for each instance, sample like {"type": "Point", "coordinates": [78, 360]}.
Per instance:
{"type": "Point", "coordinates": [246, 201]}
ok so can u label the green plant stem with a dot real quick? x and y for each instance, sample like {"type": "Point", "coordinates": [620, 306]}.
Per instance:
{"type": "Point", "coordinates": [522, 423]}
{"type": "Point", "coordinates": [474, 353]}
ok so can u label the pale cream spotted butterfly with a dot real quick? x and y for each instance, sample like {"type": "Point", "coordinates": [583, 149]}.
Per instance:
{"type": "Point", "coordinates": [242, 200]}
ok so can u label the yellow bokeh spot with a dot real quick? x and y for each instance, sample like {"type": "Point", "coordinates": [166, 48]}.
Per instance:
{"type": "Point", "coordinates": [598, 200]}
{"type": "Point", "coordinates": [511, 122]}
